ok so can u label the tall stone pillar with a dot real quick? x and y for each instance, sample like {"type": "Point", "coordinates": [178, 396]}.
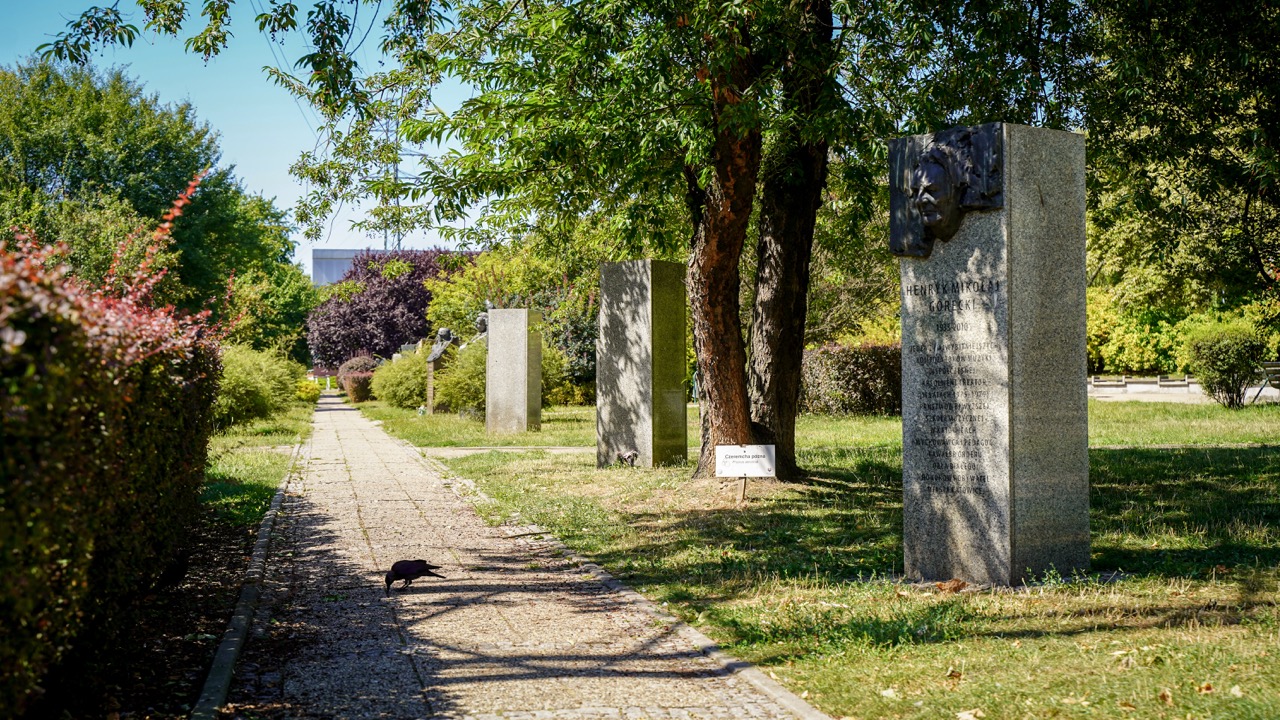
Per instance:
{"type": "Point", "coordinates": [640, 364]}
{"type": "Point", "coordinates": [989, 222]}
{"type": "Point", "coordinates": [513, 373]}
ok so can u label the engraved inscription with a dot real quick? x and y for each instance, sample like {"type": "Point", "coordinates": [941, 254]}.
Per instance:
{"type": "Point", "coordinates": [956, 417]}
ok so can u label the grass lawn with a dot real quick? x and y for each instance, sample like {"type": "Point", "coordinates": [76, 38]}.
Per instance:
{"type": "Point", "coordinates": [247, 462]}
{"type": "Point", "coordinates": [799, 580]}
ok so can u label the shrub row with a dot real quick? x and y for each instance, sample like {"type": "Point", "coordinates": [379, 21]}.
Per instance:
{"type": "Point", "coordinates": [104, 420]}
{"type": "Point", "coordinates": [403, 383]}
{"type": "Point", "coordinates": [255, 385]}
{"type": "Point", "coordinates": [839, 380]}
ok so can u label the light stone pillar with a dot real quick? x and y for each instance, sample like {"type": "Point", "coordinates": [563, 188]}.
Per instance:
{"type": "Point", "coordinates": [995, 419]}
{"type": "Point", "coordinates": [513, 373]}
{"type": "Point", "coordinates": [640, 364]}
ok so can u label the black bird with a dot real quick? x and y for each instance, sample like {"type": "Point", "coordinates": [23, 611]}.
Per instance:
{"type": "Point", "coordinates": [408, 571]}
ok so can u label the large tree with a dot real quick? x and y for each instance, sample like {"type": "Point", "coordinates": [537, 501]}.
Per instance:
{"type": "Point", "coordinates": [88, 158]}
{"type": "Point", "coordinates": [734, 108]}
{"type": "Point", "coordinates": [1185, 144]}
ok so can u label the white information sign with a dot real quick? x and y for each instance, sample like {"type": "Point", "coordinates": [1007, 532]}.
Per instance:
{"type": "Point", "coordinates": [745, 461]}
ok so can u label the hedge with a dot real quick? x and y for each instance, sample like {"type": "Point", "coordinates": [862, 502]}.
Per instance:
{"type": "Point", "coordinates": [104, 420]}
{"type": "Point", "coordinates": [358, 386]}
{"type": "Point", "coordinates": [839, 380]}
{"type": "Point", "coordinates": [255, 385]}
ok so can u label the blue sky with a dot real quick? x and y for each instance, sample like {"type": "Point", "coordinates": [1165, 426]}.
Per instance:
{"type": "Point", "coordinates": [263, 128]}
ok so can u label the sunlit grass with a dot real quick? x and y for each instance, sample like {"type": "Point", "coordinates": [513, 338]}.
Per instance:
{"type": "Point", "coordinates": [1177, 618]}
{"type": "Point", "coordinates": [247, 463]}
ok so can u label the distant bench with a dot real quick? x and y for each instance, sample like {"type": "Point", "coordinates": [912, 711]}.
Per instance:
{"type": "Point", "coordinates": [1272, 372]}
{"type": "Point", "coordinates": [1126, 381]}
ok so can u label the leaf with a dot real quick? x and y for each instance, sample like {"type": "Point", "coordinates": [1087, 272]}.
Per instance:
{"type": "Point", "coordinates": [973, 714]}
{"type": "Point", "coordinates": [1166, 696]}
{"type": "Point", "coordinates": [889, 693]}
{"type": "Point", "coordinates": [953, 585]}
{"type": "Point", "coordinates": [954, 673]}
{"type": "Point", "coordinates": [1205, 689]}
{"type": "Point", "coordinates": [1126, 705]}
{"type": "Point", "coordinates": [1236, 691]}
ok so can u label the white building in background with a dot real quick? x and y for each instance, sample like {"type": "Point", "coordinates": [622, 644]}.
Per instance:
{"type": "Point", "coordinates": [329, 265]}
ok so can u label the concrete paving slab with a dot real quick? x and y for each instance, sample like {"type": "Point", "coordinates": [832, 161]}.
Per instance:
{"type": "Point", "coordinates": [516, 630]}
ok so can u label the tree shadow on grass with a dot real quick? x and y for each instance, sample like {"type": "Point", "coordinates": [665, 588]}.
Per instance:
{"type": "Point", "coordinates": [1185, 512]}
{"type": "Point", "coordinates": [842, 523]}
{"type": "Point", "coordinates": [1211, 511]}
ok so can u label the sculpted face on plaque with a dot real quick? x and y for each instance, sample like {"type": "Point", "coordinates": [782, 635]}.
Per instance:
{"type": "Point", "coordinates": [936, 197]}
{"type": "Point", "coordinates": [955, 172]}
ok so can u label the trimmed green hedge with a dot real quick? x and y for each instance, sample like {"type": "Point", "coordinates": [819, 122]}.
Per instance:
{"type": "Point", "coordinates": [104, 421]}
{"type": "Point", "coordinates": [307, 391]}
{"type": "Point", "coordinates": [863, 380]}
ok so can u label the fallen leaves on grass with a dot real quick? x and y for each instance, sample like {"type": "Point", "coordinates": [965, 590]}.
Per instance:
{"type": "Point", "coordinates": [1205, 689]}
{"type": "Point", "coordinates": [973, 714]}
{"type": "Point", "coordinates": [954, 674]}
{"type": "Point", "coordinates": [889, 693]}
{"type": "Point", "coordinates": [953, 585]}
{"type": "Point", "coordinates": [1126, 705]}
{"type": "Point", "coordinates": [1166, 696]}
{"type": "Point", "coordinates": [1236, 691]}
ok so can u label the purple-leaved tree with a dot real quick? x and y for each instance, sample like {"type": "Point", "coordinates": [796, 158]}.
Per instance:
{"type": "Point", "coordinates": [379, 305]}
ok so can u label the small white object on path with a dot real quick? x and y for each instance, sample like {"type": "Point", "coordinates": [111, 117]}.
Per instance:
{"type": "Point", "coordinates": [518, 629]}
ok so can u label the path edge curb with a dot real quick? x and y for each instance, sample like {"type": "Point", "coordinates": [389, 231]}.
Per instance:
{"type": "Point", "coordinates": [701, 642]}
{"type": "Point", "coordinates": [218, 682]}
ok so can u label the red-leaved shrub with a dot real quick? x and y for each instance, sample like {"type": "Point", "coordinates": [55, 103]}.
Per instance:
{"type": "Point", "coordinates": [104, 420]}
{"type": "Point", "coordinates": [358, 386]}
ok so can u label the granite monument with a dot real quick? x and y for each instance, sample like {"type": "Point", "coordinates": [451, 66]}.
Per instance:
{"type": "Point", "coordinates": [640, 364]}
{"type": "Point", "coordinates": [989, 224]}
{"type": "Point", "coordinates": [513, 371]}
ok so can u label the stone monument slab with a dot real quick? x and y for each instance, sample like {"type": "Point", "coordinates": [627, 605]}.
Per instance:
{"type": "Point", "coordinates": [989, 222]}
{"type": "Point", "coordinates": [640, 364]}
{"type": "Point", "coordinates": [513, 371]}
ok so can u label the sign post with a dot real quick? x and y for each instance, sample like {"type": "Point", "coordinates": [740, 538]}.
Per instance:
{"type": "Point", "coordinates": [744, 461]}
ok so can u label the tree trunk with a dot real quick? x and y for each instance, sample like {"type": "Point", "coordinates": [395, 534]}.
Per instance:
{"type": "Point", "coordinates": [791, 193]}
{"type": "Point", "coordinates": [793, 177]}
{"type": "Point", "coordinates": [720, 231]}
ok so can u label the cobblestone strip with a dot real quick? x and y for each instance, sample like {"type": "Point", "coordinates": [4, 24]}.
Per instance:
{"type": "Point", "coordinates": [518, 629]}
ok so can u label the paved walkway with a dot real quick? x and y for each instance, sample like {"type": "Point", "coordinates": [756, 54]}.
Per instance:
{"type": "Point", "coordinates": [515, 631]}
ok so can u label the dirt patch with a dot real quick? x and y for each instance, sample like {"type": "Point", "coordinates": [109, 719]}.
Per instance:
{"type": "Point", "coordinates": [160, 663]}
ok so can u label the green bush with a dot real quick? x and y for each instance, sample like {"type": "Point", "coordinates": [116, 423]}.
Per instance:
{"type": "Point", "coordinates": [839, 380]}
{"type": "Point", "coordinates": [105, 415]}
{"type": "Point", "coordinates": [1226, 359]}
{"type": "Point", "coordinates": [1124, 343]}
{"type": "Point", "coordinates": [308, 391]}
{"type": "Point", "coordinates": [556, 386]}
{"type": "Point", "coordinates": [403, 383]}
{"type": "Point", "coordinates": [358, 386]}
{"type": "Point", "coordinates": [460, 385]}
{"type": "Point", "coordinates": [255, 385]}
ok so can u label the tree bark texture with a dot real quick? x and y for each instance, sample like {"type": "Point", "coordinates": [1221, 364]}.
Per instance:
{"type": "Point", "coordinates": [792, 179]}
{"type": "Point", "coordinates": [720, 231]}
